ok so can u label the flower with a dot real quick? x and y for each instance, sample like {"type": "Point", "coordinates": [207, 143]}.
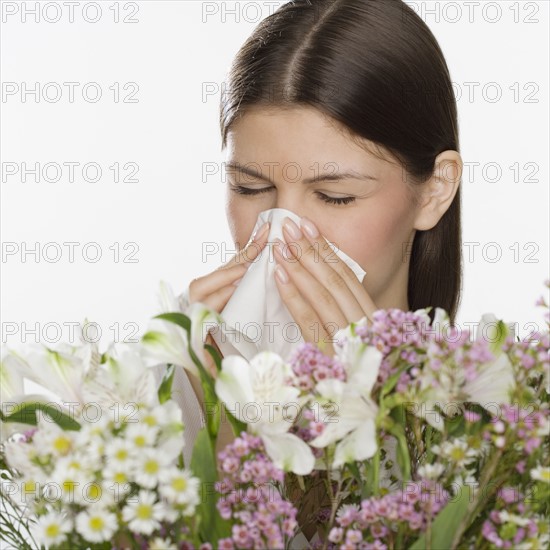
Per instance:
{"type": "Point", "coordinates": [148, 467]}
{"type": "Point", "coordinates": [431, 471]}
{"type": "Point", "coordinates": [123, 379]}
{"type": "Point", "coordinates": [51, 529]}
{"type": "Point", "coordinates": [141, 436]}
{"type": "Point", "coordinates": [180, 487]}
{"type": "Point", "coordinates": [456, 451]}
{"type": "Point", "coordinates": [96, 524]}
{"type": "Point", "coordinates": [353, 425]}
{"type": "Point", "coordinates": [167, 342]}
{"type": "Point", "coordinates": [161, 544]}
{"type": "Point", "coordinates": [143, 514]}
{"type": "Point", "coordinates": [541, 473]}
{"type": "Point", "coordinates": [60, 371]}
{"type": "Point", "coordinates": [458, 371]}
{"type": "Point", "coordinates": [256, 393]}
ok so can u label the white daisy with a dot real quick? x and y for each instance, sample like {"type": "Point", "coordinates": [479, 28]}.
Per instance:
{"type": "Point", "coordinates": [148, 467]}
{"type": "Point", "coordinates": [67, 485]}
{"type": "Point", "coordinates": [143, 515]}
{"type": "Point", "coordinates": [431, 471]}
{"type": "Point", "coordinates": [119, 453]}
{"type": "Point", "coordinates": [51, 529]}
{"type": "Point", "coordinates": [141, 435]}
{"type": "Point", "coordinates": [180, 487]}
{"type": "Point", "coordinates": [456, 451]}
{"type": "Point", "coordinates": [161, 544]}
{"type": "Point", "coordinates": [117, 474]}
{"type": "Point", "coordinates": [96, 524]}
{"type": "Point", "coordinates": [506, 517]}
{"type": "Point", "coordinates": [541, 473]}
{"type": "Point", "coordinates": [51, 439]}
{"type": "Point", "coordinates": [152, 416]}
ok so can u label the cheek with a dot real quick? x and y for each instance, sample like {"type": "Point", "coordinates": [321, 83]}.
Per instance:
{"type": "Point", "coordinates": [374, 236]}
{"type": "Point", "coordinates": [241, 218]}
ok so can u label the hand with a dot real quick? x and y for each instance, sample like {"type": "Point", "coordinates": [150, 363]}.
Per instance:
{"type": "Point", "coordinates": [322, 293]}
{"type": "Point", "coordinates": [215, 289]}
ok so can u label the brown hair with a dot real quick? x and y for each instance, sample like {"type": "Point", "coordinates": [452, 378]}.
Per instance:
{"type": "Point", "coordinates": [375, 67]}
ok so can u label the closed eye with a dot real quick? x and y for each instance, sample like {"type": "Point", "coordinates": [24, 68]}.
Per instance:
{"type": "Point", "coordinates": [325, 198]}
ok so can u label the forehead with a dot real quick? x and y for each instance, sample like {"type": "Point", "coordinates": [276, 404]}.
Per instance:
{"type": "Point", "coordinates": [299, 134]}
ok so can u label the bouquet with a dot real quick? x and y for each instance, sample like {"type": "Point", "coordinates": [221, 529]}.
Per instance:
{"type": "Point", "coordinates": [413, 434]}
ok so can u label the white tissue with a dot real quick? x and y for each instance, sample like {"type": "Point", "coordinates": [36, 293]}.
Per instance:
{"type": "Point", "coordinates": [255, 317]}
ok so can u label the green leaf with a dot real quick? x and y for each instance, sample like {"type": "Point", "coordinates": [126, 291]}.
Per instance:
{"type": "Point", "coordinates": [210, 398]}
{"type": "Point", "coordinates": [502, 332]}
{"type": "Point", "coordinates": [403, 457]}
{"type": "Point", "coordinates": [177, 318]}
{"type": "Point", "coordinates": [236, 424]}
{"type": "Point", "coordinates": [390, 383]}
{"type": "Point", "coordinates": [215, 355]}
{"type": "Point", "coordinates": [165, 388]}
{"type": "Point", "coordinates": [26, 414]}
{"type": "Point", "coordinates": [446, 523]}
{"type": "Point", "coordinates": [203, 465]}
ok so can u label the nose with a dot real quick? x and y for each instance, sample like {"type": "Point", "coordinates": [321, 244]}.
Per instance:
{"type": "Point", "coordinates": [291, 202]}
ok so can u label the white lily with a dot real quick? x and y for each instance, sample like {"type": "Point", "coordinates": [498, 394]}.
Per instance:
{"type": "Point", "coordinates": [166, 342]}
{"type": "Point", "coordinates": [353, 425]}
{"type": "Point", "coordinates": [11, 379]}
{"type": "Point", "coordinates": [60, 371]}
{"type": "Point", "coordinates": [495, 379]}
{"type": "Point", "coordinates": [491, 387]}
{"type": "Point", "coordinates": [123, 379]}
{"type": "Point", "coordinates": [255, 392]}
{"type": "Point", "coordinates": [12, 394]}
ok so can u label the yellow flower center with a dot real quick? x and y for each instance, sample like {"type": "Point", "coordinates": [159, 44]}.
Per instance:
{"type": "Point", "coordinates": [62, 444]}
{"type": "Point", "coordinates": [179, 484]}
{"type": "Point", "coordinates": [52, 530]}
{"type": "Point", "coordinates": [139, 440]}
{"type": "Point", "coordinates": [151, 467]}
{"type": "Point", "coordinates": [150, 420]}
{"type": "Point", "coordinates": [29, 486]}
{"type": "Point", "coordinates": [69, 486]}
{"type": "Point", "coordinates": [144, 511]}
{"type": "Point", "coordinates": [94, 491]}
{"type": "Point", "coordinates": [96, 523]}
{"type": "Point", "coordinates": [458, 454]}
{"type": "Point", "coordinates": [120, 477]}
{"type": "Point", "coordinates": [121, 454]}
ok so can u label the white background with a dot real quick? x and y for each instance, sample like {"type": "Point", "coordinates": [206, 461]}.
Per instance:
{"type": "Point", "coordinates": [173, 50]}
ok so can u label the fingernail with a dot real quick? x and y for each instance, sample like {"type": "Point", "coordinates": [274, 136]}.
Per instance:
{"type": "Point", "coordinates": [237, 281]}
{"type": "Point", "coordinates": [292, 228]}
{"type": "Point", "coordinates": [281, 274]}
{"type": "Point", "coordinates": [284, 249]}
{"type": "Point", "coordinates": [260, 232]}
{"type": "Point", "coordinates": [309, 227]}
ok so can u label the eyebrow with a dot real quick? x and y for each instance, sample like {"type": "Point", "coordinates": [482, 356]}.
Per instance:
{"type": "Point", "coordinates": [336, 176]}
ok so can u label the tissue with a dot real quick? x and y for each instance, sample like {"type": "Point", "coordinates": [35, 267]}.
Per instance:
{"type": "Point", "coordinates": [255, 317]}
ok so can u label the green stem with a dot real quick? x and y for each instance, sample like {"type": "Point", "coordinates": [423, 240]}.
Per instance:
{"type": "Point", "coordinates": [376, 472]}
{"type": "Point", "coordinates": [474, 505]}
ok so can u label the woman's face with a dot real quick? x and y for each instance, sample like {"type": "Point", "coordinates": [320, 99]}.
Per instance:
{"type": "Point", "coordinates": [287, 147]}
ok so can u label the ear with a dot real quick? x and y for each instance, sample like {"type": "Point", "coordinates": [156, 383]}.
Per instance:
{"type": "Point", "coordinates": [438, 192]}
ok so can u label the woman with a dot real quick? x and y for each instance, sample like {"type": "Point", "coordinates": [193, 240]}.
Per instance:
{"type": "Point", "coordinates": [343, 112]}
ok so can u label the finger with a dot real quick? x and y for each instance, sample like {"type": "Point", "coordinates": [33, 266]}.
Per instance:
{"type": "Point", "coordinates": [335, 273]}
{"type": "Point", "coordinates": [337, 306]}
{"type": "Point", "coordinates": [201, 287]}
{"type": "Point", "coordinates": [252, 250]}
{"type": "Point", "coordinates": [300, 309]}
{"type": "Point", "coordinates": [218, 300]}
